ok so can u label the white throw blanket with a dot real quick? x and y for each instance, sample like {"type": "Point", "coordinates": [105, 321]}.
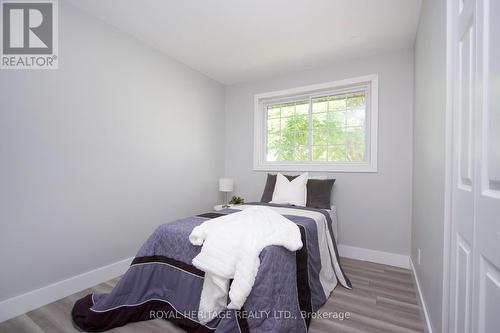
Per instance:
{"type": "Point", "coordinates": [231, 249]}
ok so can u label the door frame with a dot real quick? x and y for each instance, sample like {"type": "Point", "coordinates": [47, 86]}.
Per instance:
{"type": "Point", "coordinates": [448, 183]}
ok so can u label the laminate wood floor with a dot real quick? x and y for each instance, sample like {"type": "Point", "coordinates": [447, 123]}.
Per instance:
{"type": "Point", "coordinates": [383, 300]}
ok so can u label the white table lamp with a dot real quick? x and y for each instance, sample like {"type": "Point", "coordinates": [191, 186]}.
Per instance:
{"type": "Point", "coordinates": [226, 185]}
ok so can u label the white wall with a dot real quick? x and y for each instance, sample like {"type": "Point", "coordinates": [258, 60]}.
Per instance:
{"type": "Point", "coordinates": [374, 208]}
{"type": "Point", "coordinates": [96, 154]}
{"type": "Point", "coordinates": [429, 154]}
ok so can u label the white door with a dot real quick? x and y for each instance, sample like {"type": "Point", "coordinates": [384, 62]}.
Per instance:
{"type": "Point", "coordinates": [486, 296]}
{"type": "Point", "coordinates": [475, 210]}
{"type": "Point", "coordinates": [463, 183]}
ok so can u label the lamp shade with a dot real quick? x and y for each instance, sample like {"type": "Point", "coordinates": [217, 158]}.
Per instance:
{"type": "Point", "coordinates": [226, 184]}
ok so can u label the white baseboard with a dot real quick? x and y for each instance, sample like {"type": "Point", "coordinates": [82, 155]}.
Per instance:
{"type": "Point", "coordinates": [18, 305]}
{"type": "Point", "coordinates": [379, 257]}
{"type": "Point", "coordinates": [422, 302]}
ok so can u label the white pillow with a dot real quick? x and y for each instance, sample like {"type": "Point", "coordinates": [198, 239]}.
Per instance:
{"type": "Point", "coordinates": [290, 192]}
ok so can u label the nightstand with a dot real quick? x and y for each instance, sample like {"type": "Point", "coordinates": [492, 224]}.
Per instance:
{"type": "Point", "coordinates": [219, 207]}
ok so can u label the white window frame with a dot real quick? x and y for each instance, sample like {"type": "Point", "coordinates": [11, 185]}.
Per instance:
{"type": "Point", "coordinates": [369, 82]}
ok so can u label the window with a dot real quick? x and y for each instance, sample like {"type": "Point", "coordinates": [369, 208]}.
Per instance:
{"type": "Point", "coordinates": [327, 127]}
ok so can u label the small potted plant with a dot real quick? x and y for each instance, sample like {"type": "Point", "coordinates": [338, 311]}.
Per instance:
{"type": "Point", "coordinates": [236, 200]}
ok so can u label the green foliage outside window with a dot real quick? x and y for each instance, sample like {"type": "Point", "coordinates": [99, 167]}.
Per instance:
{"type": "Point", "coordinates": [337, 129]}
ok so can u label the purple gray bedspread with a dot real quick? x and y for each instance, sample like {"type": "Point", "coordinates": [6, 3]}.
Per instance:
{"type": "Point", "coordinates": [162, 283]}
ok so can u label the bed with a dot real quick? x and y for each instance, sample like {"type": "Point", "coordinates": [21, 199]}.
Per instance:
{"type": "Point", "coordinates": [335, 226]}
{"type": "Point", "coordinates": [162, 283]}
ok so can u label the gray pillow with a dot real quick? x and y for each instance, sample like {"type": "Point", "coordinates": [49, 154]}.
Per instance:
{"type": "Point", "coordinates": [319, 191]}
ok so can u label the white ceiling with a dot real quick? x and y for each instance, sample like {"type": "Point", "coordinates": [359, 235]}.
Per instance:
{"type": "Point", "coordinates": [240, 40]}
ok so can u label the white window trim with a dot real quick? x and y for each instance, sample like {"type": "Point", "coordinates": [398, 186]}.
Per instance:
{"type": "Point", "coordinates": [259, 160]}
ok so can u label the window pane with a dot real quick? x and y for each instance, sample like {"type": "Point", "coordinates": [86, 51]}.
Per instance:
{"type": "Point", "coordinates": [287, 153]}
{"type": "Point", "coordinates": [320, 153]}
{"type": "Point", "coordinates": [336, 119]}
{"type": "Point", "coordinates": [320, 137]}
{"type": "Point", "coordinates": [355, 135]}
{"type": "Point", "coordinates": [336, 136]}
{"type": "Point", "coordinates": [356, 152]}
{"type": "Point", "coordinates": [337, 153]}
{"type": "Point", "coordinates": [319, 119]}
{"type": "Point", "coordinates": [273, 139]}
{"type": "Point", "coordinates": [356, 118]}
{"type": "Point", "coordinates": [272, 154]}
{"type": "Point", "coordinates": [273, 125]}
{"type": "Point", "coordinates": [288, 131]}
{"type": "Point", "coordinates": [302, 108]}
{"type": "Point", "coordinates": [356, 101]}
{"type": "Point", "coordinates": [337, 104]}
{"type": "Point", "coordinates": [301, 153]}
{"type": "Point", "coordinates": [287, 137]}
{"type": "Point", "coordinates": [320, 105]}
{"type": "Point", "coordinates": [273, 112]}
{"type": "Point", "coordinates": [301, 122]}
{"type": "Point", "coordinates": [288, 110]}
{"type": "Point", "coordinates": [302, 138]}
{"type": "Point", "coordinates": [287, 124]}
